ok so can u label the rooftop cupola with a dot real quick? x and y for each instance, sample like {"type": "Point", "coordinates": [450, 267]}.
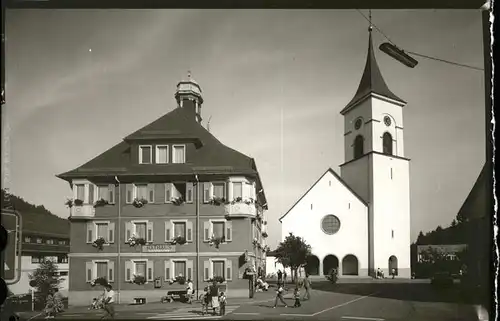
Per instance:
{"type": "Point", "coordinates": [188, 96]}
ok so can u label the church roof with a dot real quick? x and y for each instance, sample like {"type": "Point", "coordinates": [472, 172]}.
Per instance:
{"type": "Point", "coordinates": [371, 82]}
{"type": "Point", "coordinates": [329, 170]}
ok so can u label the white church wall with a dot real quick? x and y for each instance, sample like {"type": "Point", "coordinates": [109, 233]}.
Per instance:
{"type": "Point", "coordinates": [380, 109]}
{"type": "Point", "coordinates": [391, 213]}
{"type": "Point", "coordinates": [330, 196]}
{"type": "Point", "coordinates": [355, 174]}
{"type": "Point", "coordinates": [362, 110]}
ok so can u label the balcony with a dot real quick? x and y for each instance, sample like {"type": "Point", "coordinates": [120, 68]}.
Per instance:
{"type": "Point", "coordinates": [240, 209]}
{"type": "Point", "coordinates": [82, 211]}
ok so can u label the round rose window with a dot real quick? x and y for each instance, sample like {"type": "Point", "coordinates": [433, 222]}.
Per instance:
{"type": "Point", "coordinates": [330, 224]}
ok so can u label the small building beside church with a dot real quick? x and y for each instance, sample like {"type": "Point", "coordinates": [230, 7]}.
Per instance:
{"type": "Point", "coordinates": [358, 221]}
{"type": "Point", "coordinates": [169, 200]}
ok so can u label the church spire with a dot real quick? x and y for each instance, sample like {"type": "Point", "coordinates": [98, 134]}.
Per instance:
{"type": "Point", "coordinates": [372, 80]}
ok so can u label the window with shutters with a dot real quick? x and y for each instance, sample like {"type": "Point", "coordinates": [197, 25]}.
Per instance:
{"type": "Point", "coordinates": [178, 154]}
{"type": "Point", "coordinates": [237, 190]}
{"type": "Point", "coordinates": [218, 268]}
{"type": "Point", "coordinates": [106, 192]}
{"type": "Point", "coordinates": [80, 192]}
{"type": "Point", "coordinates": [141, 191]}
{"type": "Point", "coordinates": [180, 268]}
{"type": "Point", "coordinates": [218, 229]}
{"type": "Point", "coordinates": [102, 270]}
{"type": "Point", "coordinates": [140, 268]}
{"type": "Point", "coordinates": [161, 154]}
{"type": "Point", "coordinates": [140, 229]}
{"type": "Point", "coordinates": [102, 231]}
{"type": "Point", "coordinates": [145, 154]}
{"type": "Point", "coordinates": [179, 229]}
{"type": "Point", "coordinates": [219, 190]}
{"type": "Point", "coordinates": [178, 190]}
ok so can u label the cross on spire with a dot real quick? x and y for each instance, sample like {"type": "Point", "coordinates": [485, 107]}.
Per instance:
{"type": "Point", "coordinates": [189, 74]}
{"type": "Point", "coordinates": [370, 28]}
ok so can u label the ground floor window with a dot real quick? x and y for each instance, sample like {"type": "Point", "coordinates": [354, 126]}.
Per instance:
{"type": "Point", "coordinates": [179, 268]}
{"type": "Point", "coordinates": [218, 268]}
{"type": "Point", "coordinates": [102, 270]}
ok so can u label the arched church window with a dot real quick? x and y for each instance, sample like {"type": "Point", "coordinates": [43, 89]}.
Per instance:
{"type": "Point", "coordinates": [330, 224]}
{"type": "Point", "coordinates": [387, 143]}
{"type": "Point", "coordinates": [358, 146]}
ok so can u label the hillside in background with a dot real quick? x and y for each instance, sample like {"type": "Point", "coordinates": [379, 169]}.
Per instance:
{"type": "Point", "coordinates": [35, 218]}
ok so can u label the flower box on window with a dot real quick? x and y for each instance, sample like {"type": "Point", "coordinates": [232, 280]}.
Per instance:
{"type": "Point", "coordinates": [255, 242]}
{"type": "Point", "coordinates": [179, 280]}
{"type": "Point", "coordinates": [100, 203]}
{"type": "Point", "coordinates": [99, 243]}
{"type": "Point", "coordinates": [264, 234]}
{"type": "Point", "coordinates": [216, 241]}
{"type": "Point", "coordinates": [178, 200]}
{"type": "Point", "coordinates": [99, 281]}
{"type": "Point", "coordinates": [139, 202]}
{"type": "Point", "coordinates": [78, 202]}
{"type": "Point", "coordinates": [134, 241]}
{"type": "Point", "coordinates": [69, 203]}
{"type": "Point", "coordinates": [218, 279]}
{"type": "Point", "coordinates": [139, 279]}
{"type": "Point", "coordinates": [181, 240]}
{"type": "Point", "coordinates": [217, 201]}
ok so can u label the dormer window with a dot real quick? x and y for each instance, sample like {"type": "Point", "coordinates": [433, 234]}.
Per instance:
{"type": "Point", "coordinates": [161, 154]}
{"type": "Point", "coordinates": [178, 154]}
{"type": "Point", "coordinates": [145, 154]}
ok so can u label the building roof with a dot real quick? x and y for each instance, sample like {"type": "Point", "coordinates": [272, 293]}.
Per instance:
{"type": "Point", "coordinates": [442, 247]}
{"type": "Point", "coordinates": [476, 203]}
{"type": "Point", "coordinates": [329, 170]}
{"type": "Point", "coordinates": [210, 157]}
{"type": "Point", "coordinates": [371, 82]}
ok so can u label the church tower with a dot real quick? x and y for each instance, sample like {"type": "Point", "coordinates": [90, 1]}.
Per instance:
{"type": "Point", "coordinates": [375, 167]}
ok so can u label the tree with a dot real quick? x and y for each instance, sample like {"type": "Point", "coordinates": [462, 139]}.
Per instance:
{"type": "Point", "coordinates": [45, 278]}
{"type": "Point", "coordinates": [293, 253]}
{"type": "Point", "coordinates": [420, 238]}
{"type": "Point", "coordinates": [461, 218]}
{"type": "Point", "coordinates": [454, 223]}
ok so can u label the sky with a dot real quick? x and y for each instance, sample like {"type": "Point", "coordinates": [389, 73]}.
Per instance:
{"type": "Point", "coordinates": [274, 82]}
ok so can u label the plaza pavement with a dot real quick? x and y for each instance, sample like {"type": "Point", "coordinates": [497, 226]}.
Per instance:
{"type": "Point", "coordinates": [368, 301]}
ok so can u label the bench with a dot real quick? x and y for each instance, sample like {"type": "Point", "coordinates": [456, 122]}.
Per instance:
{"type": "Point", "coordinates": [175, 295]}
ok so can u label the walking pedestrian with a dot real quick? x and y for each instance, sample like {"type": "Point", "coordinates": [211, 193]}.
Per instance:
{"type": "Point", "coordinates": [214, 294]}
{"type": "Point", "coordinates": [296, 296]}
{"type": "Point", "coordinates": [189, 291]}
{"type": "Point", "coordinates": [222, 302]}
{"type": "Point", "coordinates": [307, 288]}
{"type": "Point", "coordinates": [279, 296]}
{"type": "Point", "coordinates": [280, 275]}
{"type": "Point", "coordinates": [109, 302]}
{"type": "Point", "coordinates": [393, 272]}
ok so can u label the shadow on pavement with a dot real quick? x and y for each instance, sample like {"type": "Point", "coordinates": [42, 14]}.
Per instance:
{"type": "Point", "coordinates": [404, 291]}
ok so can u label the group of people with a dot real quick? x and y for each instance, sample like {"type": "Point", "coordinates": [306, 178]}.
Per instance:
{"type": "Point", "coordinates": [380, 273]}
{"type": "Point", "coordinates": [53, 303]}
{"type": "Point", "coordinates": [213, 296]}
{"type": "Point", "coordinates": [306, 284]}
{"type": "Point", "coordinates": [106, 301]}
{"type": "Point", "coordinates": [281, 276]}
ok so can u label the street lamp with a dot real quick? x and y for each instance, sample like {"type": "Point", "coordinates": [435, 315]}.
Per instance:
{"type": "Point", "coordinates": [398, 54]}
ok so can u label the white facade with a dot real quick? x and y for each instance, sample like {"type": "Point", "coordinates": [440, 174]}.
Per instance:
{"type": "Point", "coordinates": [329, 196]}
{"type": "Point", "coordinates": [27, 268]}
{"type": "Point", "coordinates": [371, 199]}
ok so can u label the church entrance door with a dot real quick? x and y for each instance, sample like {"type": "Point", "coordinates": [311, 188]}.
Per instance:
{"type": "Point", "coordinates": [330, 262]}
{"type": "Point", "coordinates": [350, 265]}
{"type": "Point", "coordinates": [393, 264]}
{"type": "Point", "coordinates": [312, 265]}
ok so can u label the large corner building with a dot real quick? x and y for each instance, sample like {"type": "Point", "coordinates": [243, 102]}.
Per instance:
{"type": "Point", "coordinates": [359, 221]}
{"type": "Point", "coordinates": [168, 179]}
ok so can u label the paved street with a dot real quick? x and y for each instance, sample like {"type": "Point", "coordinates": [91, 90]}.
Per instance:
{"type": "Point", "coordinates": [375, 302]}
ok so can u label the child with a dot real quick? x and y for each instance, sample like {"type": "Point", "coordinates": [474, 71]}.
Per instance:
{"type": "Point", "coordinates": [279, 295]}
{"type": "Point", "coordinates": [222, 301]}
{"type": "Point", "coordinates": [205, 301]}
{"type": "Point", "coordinates": [296, 296]}
{"type": "Point", "coordinates": [93, 305]}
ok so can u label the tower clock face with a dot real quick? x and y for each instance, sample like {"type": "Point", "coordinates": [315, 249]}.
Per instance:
{"type": "Point", "coordinates": [387, 121]}
{"type": "Point", "coordinates": [357, 124]}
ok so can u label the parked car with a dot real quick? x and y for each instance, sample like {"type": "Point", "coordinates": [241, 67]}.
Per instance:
{"type": "Point", "coordinates": [442, 279]}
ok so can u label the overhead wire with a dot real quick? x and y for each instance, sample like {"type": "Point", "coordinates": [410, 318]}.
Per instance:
{"type": "Point", "coordinates": [414, 53]}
